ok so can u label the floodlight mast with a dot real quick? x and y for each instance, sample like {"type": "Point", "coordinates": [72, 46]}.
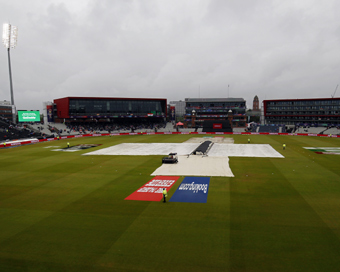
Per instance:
{"type": "Point", "coordinates": [9, 39]}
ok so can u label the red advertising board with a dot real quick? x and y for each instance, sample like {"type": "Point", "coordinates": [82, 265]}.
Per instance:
{"type": "Point", "coordinates": [153, 190]}
{"type": "Point", "coordinates": [217, 126]}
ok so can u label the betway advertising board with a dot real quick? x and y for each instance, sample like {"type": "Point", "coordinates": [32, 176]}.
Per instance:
{"type": "Point", "coordinates": [29, 116]}
{"type": "Point", "coordinates": [192, 189]}
{"type": "Point", "coordinates": [153, 190]}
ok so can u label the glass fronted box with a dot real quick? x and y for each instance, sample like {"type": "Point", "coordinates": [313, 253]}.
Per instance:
{"type": "Point", "coordinates": [114, 108]}
{"type": "Point", "coordinates": [313, 112]}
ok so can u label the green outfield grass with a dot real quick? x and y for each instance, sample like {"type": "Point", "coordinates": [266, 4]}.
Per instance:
{"type": "Point", "coordinates": [62, 211]}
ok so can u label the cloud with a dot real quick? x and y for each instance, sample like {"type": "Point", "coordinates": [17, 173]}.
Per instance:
{"type": "Point", "coordinates": [172, 49]}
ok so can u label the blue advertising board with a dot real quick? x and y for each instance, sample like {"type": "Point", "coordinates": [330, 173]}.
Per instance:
{"type": "Point", "coordinates": [192, 189]}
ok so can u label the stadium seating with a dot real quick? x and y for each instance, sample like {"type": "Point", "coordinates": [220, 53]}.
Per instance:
{"type": "Point", "coordinates": [333, 131]}
{"type": "Point", "coordinates": [312, 130]}
{"type": "Point", "coordinates": [269, 128]}
{"type": "Point", "coordinates": [9, 131]}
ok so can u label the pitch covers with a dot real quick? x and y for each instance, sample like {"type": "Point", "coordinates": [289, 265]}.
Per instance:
{"type": "Point", "coordinates": [153, 190]}
{"type": "Point", "coordinates": [192, 189]}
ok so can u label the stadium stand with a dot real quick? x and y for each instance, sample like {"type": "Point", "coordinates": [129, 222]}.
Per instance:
{"type": "Point", "coordinates": [76, 128]}
{"type": "Point", "coordinates": [332, 130]}
{"type": "Point", "coordinates": [10, 131]}
{"type": "Point", "coordinates": [312, 130]}
{"type": "Point", "coordinates": [168, 128]}
{"type": "Point", "coordinates": [217, 126]}
{"type": "Point", "coordinates": [109, 127]}
{"type": "Point", "coordinates": [239, 129]}
{"type": "Point", "coordinates": [254, 128]}
{"type": "Point", "coordinates": [269, 128]}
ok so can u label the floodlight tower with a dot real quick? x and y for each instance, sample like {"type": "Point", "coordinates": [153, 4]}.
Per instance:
{"type": "Point", "coordinates": [9, 39]}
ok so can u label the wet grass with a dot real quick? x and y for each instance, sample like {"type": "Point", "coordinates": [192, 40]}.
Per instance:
{"type": "Point", "coordinates": [62, 211]}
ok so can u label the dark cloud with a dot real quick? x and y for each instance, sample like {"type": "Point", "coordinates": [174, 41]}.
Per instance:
{"type": "Point", "coordinates": [172, 49]}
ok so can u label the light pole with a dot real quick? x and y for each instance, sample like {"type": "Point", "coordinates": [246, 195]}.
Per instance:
{"type": "Point", "coordinates": [9, 39]}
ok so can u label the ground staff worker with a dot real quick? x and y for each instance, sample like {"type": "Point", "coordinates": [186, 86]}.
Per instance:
{"type": "Point", "coordinates": [284, 146]}
{"type": "Point", "coordinates": [68, 145]}
{"type": "Point", "coordinates": [165, 194]}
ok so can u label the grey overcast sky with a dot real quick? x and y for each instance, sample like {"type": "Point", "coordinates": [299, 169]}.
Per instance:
{"type": "Point", "coordinates": [172, 49]}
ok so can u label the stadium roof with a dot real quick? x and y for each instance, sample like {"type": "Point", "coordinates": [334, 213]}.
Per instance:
{"type": "Point", "coordinates": [229, 99]}
{"type": "Point", "coordinates": [109, 98]}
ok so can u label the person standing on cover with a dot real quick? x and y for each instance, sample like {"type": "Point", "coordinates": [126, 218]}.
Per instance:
{"type": "Point", "coordinates": [165, 194]}
{"type": "Point", "coordinates": [68, 145]}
